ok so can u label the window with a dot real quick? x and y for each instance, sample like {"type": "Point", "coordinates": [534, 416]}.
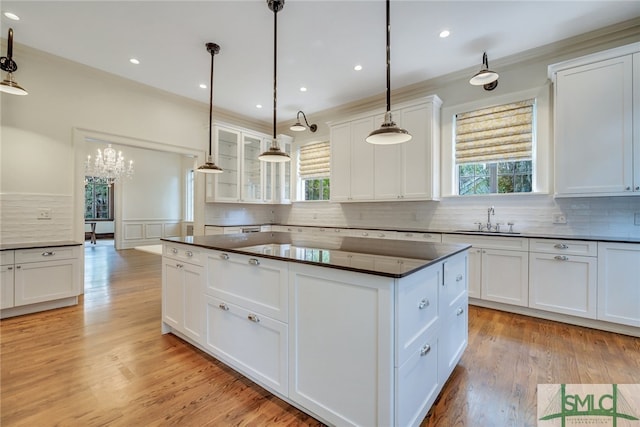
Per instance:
{"type": "Point", "coordinates": [493, 149]}
{"type": "Point", "coordinates": [188, 202]}
{"type": "Point", "coordinates": [314, 170]}
{"type": "Point", "coordinates": [98, 199]}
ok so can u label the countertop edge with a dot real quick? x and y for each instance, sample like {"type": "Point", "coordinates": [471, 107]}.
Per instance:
{"type": "Point", "coordinates": [18, 246]}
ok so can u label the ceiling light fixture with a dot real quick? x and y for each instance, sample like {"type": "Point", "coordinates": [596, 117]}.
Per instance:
{"type": "Point", "coordinates": [274, 153]}
{"type": "Point", "coordinates": [303, 89]}
{"type": "Point", "coordinates": [299, 127]}
{"type": "Point", "coordinates": [485, 77]}
{"type": "Point", "coordinates": [108, 168]}
{"type": "Point", "coordinates": [445, 34]}
{"type": "Point", "coordinates": [134, 61]}
{"type": "Point", "coordinates": [209, 166]}
{"type": "Point", "coordinates": [358, 67]}
{"type": "Point", "coordinates": [7, 64]}
{"type": "Point", "coordinates": [12, 16]}
{"type": "Point", "coordinates": [389, 132]}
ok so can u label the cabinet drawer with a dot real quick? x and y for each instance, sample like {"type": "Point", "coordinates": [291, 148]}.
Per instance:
{"type": "Point", "coordinates": [258, 284]}
{"type": "Point", "coordinates": [183, 253]}
{"type": "Point", "coordinates": [489, 242]}
{"type": "Point", "coordinates": [6, 257]}
{"type": "Point", "coordinates": [564, 247]}
{"type": "Point", "coordinates": [420, 237]}
{"type": "Point", "coordinates": [375, 234]}
{"type": "Point", "coordinates": [417, 383]}
{"type": "Point", "coordinates": [253, 344]}
{"type": "Point", "coordinates": [417, 312]}
{"type": "Point", "coordinates": [46, 254]}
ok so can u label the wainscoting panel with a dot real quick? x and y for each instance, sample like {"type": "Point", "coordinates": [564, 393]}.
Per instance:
{"type": "Point", "coordinates": [140, 232]}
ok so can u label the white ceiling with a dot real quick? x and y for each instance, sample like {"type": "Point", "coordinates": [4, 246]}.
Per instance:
{"type": "Point", "coordinates": [319, 42]}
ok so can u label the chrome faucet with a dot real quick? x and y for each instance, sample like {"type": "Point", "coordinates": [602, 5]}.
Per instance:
{"type": "Point", "coordinates": [490, 211]}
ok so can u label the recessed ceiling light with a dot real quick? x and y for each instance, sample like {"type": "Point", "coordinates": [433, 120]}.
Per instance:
{"type": "Point", "coordinates": [445, 34]}
{"type": "Point", "coordinates": [358, 67]}
{"type": "Point", "coordinates": [303, 89]}
{"type": "Point", "coordinates": [12, 16]}
{"type": "Point", "coordinates": [258, 105]}
{"type": "Point", "coordinates": [203, 86]}
{"type": "Point", "coordinates": [134, 61]}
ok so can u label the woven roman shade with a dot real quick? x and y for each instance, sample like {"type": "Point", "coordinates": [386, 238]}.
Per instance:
{"type": "Point", "coordinates": [500, 133]}
{"type": "Point", "coordinates": [315, 160]}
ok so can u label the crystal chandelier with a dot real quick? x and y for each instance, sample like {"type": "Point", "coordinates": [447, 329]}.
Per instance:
{"type": "Point", "coordinates": [108, 167]}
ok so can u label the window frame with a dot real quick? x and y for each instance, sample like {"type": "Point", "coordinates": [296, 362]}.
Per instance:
{"type": "Point", "coordinates": [300, 182]}
{"type": "Point", "coordinates": [111, 197]}
{"type": "Point", "coordinates": [541, 151]}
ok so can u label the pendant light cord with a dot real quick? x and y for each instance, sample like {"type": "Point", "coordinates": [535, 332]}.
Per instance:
{"type": "Point", "coordinates": [388, 60]}
{"type": "Point", "coordinates": [275, 68]}
{"type": "Point", "coordinates": [211, 102]}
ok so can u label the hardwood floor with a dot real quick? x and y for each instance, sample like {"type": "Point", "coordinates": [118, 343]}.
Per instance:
{"type": "Point", "coordinates": [105, 363]}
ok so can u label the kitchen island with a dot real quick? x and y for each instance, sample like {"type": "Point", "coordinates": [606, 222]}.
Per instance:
{"type": "Point", "coordinates": [352, 331]}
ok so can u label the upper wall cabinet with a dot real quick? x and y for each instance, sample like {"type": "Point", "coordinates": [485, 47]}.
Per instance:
{"type": "Point", "coordinates": [364, 172]}
{"type": "Point", "coordinates": [245, 178]}
{"type": "Point", "coordinates": [597, 124]}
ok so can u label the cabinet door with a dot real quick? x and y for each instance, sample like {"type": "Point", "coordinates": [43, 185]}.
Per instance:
{"type": "Point", "coordinates": [227, 183]}
{"type": "Point", "coordinates": [361, 160]}
{"type": "Point", "coordinates": [475, 272]}
{"type": "Point", "coordinates": [454, 337]}
{"type": "Point", "coordinates": [193, 301]}
{"type": "Point", "coordinates": [563, 284]}
{"type": "Point", "coordinates": [636, 123]}
{"type": "Point", "coordinates": [6, 286]}
{"type": "Point", "coordinates": [593, 128]}
{"type": "Point", "coordinates": [618, 290]}
{"type": "Point", "coordinates": [420, 156]}
{"type": "Point", "coordinates": [253, 344]}
{"type": "Point", "coordinates": [340, 137]}
{"type": "Point", "coordinates": [45, 281]}
{"type": "Point", "coordinates": [172, 294]}
{"type": "Point", "coordinates": [505, 276]}
{"type": "Point", "coordinates": [251, 148]}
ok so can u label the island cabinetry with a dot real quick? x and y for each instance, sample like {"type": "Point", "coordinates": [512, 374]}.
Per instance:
{"type": "Point", "coordinates": [619, 283]}
{"type": "Point", "coordinates": [6, 279]}
{"type": "Point", "coordinates": [498, 267]}
{"type": "Point", "coordinates": [592, 159]}
{"type": "Point", "coordinates": [183, 290]}
{"type": "Point", "coordinates": [563, 276]}
{"type": "Point", "coordinates": [247, 315]}
{"type": "Point", "coordinates": [46, 274]}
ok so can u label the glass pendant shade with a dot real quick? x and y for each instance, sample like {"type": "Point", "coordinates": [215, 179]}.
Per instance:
{"type": "Point", "coordinates": [8, 85]}
{"type": "Point", "coordinates": [389, 133]}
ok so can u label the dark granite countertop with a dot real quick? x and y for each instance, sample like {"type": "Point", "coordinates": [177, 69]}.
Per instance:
{"type": "Point", "coordinates": [390, 258]}
{"type": "Point", "coordinates": [618, 239]}
{"type": "Point", "coordinates": [14, 246]}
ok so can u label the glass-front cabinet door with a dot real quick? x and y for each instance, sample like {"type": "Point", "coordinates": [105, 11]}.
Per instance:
{"type": "Point", "coordinates": [251, 168]}
{"type": "Point", "coordinates": [283, 176]}
{"type": "Point", "coordinates": [227, 186]}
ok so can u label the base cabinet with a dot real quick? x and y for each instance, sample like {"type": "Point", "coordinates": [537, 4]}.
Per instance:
{"type": "Point", "coordinates": [618, 283]}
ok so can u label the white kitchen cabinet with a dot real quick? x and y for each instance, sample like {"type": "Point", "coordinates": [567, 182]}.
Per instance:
{"type": "Point", "coordinates": [183, 290]}
{"type": "Point", "coordinates": [244, 178]}
{"type": "Point", "coordinates": [563, 276]}
{"type": "Point", "coordinates": [45, 274]}
{"type": "Point", "coordinates": [597, 151]}
{"type": "Point", "coordinates": [619, 283]}
{"type": "Point", "coordinates": [498, 267]}
{"type": "Point", "coordinates": [351, 161]}
{"type": "Point", "coordinates": [411, 171]}
{"type": "Point", "coordinates": [6, 279]}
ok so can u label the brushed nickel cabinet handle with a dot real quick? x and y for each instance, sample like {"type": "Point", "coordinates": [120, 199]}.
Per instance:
{"type": "Point", "coordinates": [189, 253]}
{"type": "Point", "coordinates": [174, 250]}
{"type": "Point", "coordinates": [224, 256]}
{"type": "Point", "coordinates": [223, 306]}
{"type": "Point", "coordinates": [425, 350]}
{"type": "Point", "coordinates": [254, 261]}
{"type": "Point", "coordinates": [459, 277]}
{"type": "Point", "coordinates": [459, 311]}
{"type": "Point", "coordinates": [253, 318]}
{"type": "Point", "coordinates": [424, 303]}
{"type": "Point", "coordinates": [561, 246]}
{"type": "Point", "coordinates": [561, 258]}
{"type": "Point", "coordinates": [48, 253]}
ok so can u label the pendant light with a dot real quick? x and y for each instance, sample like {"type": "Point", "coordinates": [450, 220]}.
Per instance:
{"type": "Point", "coordinates": [209, 166]}
{"type": "Point", "coordinates": [274, 153]}
{"type": "Point", "coordinates": [299, 127]}
{"type": "Point", "coordinates": [8, 85]}
{"type": "Point", "coordinates": [485, 77]}
{"type": "Point", "coordinates": [389, 132]}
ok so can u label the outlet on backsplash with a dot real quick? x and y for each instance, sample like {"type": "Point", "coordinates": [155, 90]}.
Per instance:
{"type": "Point", "coordinates": [559, 218]}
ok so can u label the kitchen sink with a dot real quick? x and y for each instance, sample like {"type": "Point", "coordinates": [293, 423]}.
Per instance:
{"type": "Point", "coordinates": [488, 233]}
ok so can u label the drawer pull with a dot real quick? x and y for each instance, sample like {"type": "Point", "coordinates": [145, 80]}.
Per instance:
{"type": "Point", "coordinates": [459, 278]}
{"type": "Point", "coordinates": [459, 311]}
{"type": "Point", "coordinates": [224, 256]}
{"type": "Point", "coordinates": [364, 233]}
{"type": "Point", "coordinates": [223, 306]}
{"type": "Point", "coordinates": [561, 246]}
{"type": "Point", "coordinates": [380, 234]}
{"type": "Point", "coordinates": [253, 318]}
{"type": "Point", "coordinates": [254, 261]}
{"type": "Point", "coordinates": [10, 268]}
{"type": "Point", "coordinates": [174, 251]}
{"type": "Point", "coordinates": [425, 350]}
{"type": "Point", "coordinates": [336, 230]}
{"type": "Point", "coordinates": [48, 253]}
{"type": "Point", "coordinates": [424, 303]}
{"type": "Point", "coordinates": [408, 235]}
{"type": "Point", "coordinates": [189, 253]}
{"type": "Point", "coordinates": [179, 265]}
{"type": "Point", "coordinates": [561, 258]}
{"type": "Point", "coordinates": [18, 267]}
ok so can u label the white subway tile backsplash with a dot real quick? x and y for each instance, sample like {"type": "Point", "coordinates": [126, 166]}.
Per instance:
{"type": "Point", "coordinates": [19, 221]}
